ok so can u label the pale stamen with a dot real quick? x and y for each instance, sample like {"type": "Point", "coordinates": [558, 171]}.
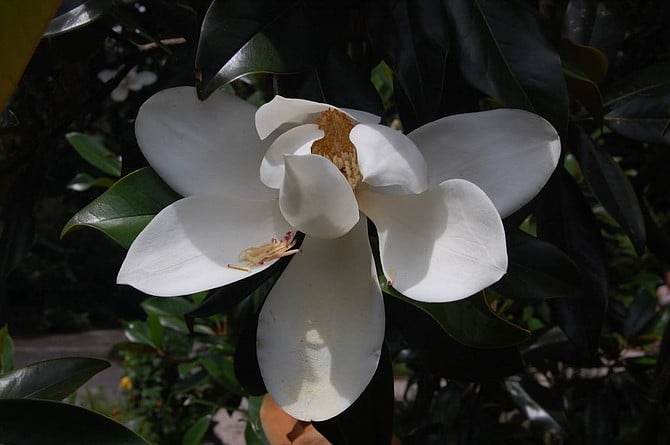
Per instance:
{"type": "Point", "coordinates": [272, 250]}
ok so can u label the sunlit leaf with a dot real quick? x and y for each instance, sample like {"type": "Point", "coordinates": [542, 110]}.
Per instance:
{"type": "Point", "coordinates": [51, 379]}
{"type": "Point", "coordinates": [126, 208]}
{"type": "Point", "coordinates": [84, 181]}
{"type": "Point", "coordinates": [39, 422]}
{"type": "Point", "coordinates": [77, 17]}
{"type": "Point", "coordinates": [543, 419]}
{"type": "Point", "coordinates": [21, 25]}
{"type": "Point", "coordinates": [95, 153]}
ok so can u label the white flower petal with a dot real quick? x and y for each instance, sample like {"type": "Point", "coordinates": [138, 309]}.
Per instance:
{"type": "Point", "coordinates": [389, 159]}
{"type": "Point", "coordinates": [316, 198]}
{"type": "Point", "coordinates": [508, 153]}
{"type": "Point", "coordinates": [203, 147]}
{"type": "Point", "coordinates": [187, 247]}
{"type": "Point", "coordinates": [120, 93]}
{"type": "Point", "coordinates": [321, 328]}
{"type": "Point", "coordinates": [297, 140]}
{"type": "Point", "coordinates": [442, 245]}
{"type": "Point", "coordinates": [282, 110]}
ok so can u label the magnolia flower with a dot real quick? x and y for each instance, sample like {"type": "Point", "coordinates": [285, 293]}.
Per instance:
{"type": "Point", "coordinates": [134, 81]}
{"type": "Point", "coordinates": [314, 168]}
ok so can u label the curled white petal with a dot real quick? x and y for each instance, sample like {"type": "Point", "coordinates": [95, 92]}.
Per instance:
{"type": "Point", "coordinates": [442, 245]}
{"type": "Point", "coordinates": [316, 198]}
{"type": "Point", "coordinates": [388, 159]}
{"type": "Point", "coordinates": [297, 140]}
{"type": "Point", "coordinates": [508, 153]}
{"type": "Point", "coordinates": [321, 328]}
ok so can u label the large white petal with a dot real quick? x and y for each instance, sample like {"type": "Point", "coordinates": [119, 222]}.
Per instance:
{"type": "Point", "coordinates": [282, 110]}
{"type": "Point", "coordinates": [388, 159]}
{"type": "Point", "coordinates": [321, 328]}
{"type": "Point", "coordinates": [509, 154]}
{"type": "Point", "coordinates": [442, 245]}
{"type": "Point", "coordinates": [316, 198]}
{"type": "Point", "coordinates": [203, 147]}
{"type": "Point", "coordinates": [187, 247]}
{"type": "Point", "coordinates": [297, 140]}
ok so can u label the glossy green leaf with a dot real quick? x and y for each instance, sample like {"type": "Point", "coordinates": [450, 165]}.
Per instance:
{"type": "Point", "coordinates": [156, 331]}
{"type": "Point", "coordinates": [40, 422]}
{"type": "Point", "coordinates": [175, 306]}
{"type": "Point", "coordinates": [195, 433]}
{"type": "Point", "coordinates": [640, 314]}
{"type": "Point", "coordinates": [95, 153]}
{"type": "Point", "coordinates": [75, 18]}
{"type": "Point", "coordinates": [431, 346]}
{"type": "Point", "coordinates": [502, 51]}
{"type": "Point", "coordinates": [6, 351]}
{"type": "Point", "coordinates": [51, 379]}
{"type": "Point", "coordinates": [413, 39]}
{"type": "Point", "coordinates": [642, 118]}
{"type": "Point", "coordinates": [126, 208]}
{"type": "Point", "coordinates": [470, 321]}
{"type": "Point", "coordinates": [139, 332]}
{"type": "Point", "coordinates": [537, 270]}
{"type": "Point", "coordinates": [84, 181]}
{"type": "Point", "coordinates": [585, 68]}
{"type": "Point", "coordinates": [610, 186]}
{"type": "Point", "coordinates": [221, 368]}
{"type": "Point", "coordinates": [239, 38]}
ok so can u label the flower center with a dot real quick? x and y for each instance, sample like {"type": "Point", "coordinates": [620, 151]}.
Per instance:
{"type": "Point", "coordinates": [272, 250]}
{"type": "Point", "coordinates": [336, 146]}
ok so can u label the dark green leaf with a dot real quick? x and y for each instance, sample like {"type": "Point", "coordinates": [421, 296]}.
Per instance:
{"type": "Point", "coordinates": [640, 313]}
{"type": "Point", "coordinates": [95, 153]}
{"type": "Point", "coordinates": [601, 417]}
{"type": "Point", "coordinates": [578, 20]}
{"type": "Point", "coordinates": [584, 68]}
{"type": "Point", "coordinates": [176, 306]}
{"type": "Point", "coordinates": [156, 331]}
{"type": "Point", "coordinates": [126, 208]}
{"type": "Point", "coordinates": [543, 419]}
{"type": "Point", "coordinates": [336, 81]}
{"type": "Point", "coordinates": [195, 433]}
{"type": "Point", "coordinates": [254, 434]}
{"type": "Point", "coordinates": [609, 29]}
{"type": "Point", "coordinates": [443, 355]}
{"type": "Point", "coordinates": [247, 370]}
{"type": "Point", "coordinates": [537, 270]}
{"type": "Point", "coordinates": [221, 368]}
{"type": "Point", "coordinates": [502, 51]}
{"type": "Point", "coordinates": [6, 351]}
{"type": "Point", "coordinates": [75, 18]}
{"type": "Point", "coordinates": [470, 321]}
{"type": "Point", "coordinates": [83, 181]}
{"type": "Point", "coordinates": [653, 80]}
{"type": "Point", "coordinates": [239, 38]}
{"type": "Point", "coordinates": [610, 186]}
{"type": "Point", "coordinates": [39, 422]}
{"type": "Point", "coordinates": [369, 419]}
{"type": "Point", "coordinates": [139, 332]}
{"type": "Point", "coordinates": [8, 119]}
{"type": "Point", "coordinates": [51, 379]}
{"type": "Point", "coordinates": [642, 119]}
{"type": "Point", "coordinates": [414, 41]}
{"type": "Point", "coordinates": [565, 219]}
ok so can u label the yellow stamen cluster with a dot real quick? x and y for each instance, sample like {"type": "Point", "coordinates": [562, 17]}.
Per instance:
{"type": "Point", "coordinates": [272, 250]}
{"type": "Point", "coordinates": [336, 146]}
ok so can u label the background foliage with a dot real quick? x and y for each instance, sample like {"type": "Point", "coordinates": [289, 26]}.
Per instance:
{"type": "Point", "coordinates": [567, 348]}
